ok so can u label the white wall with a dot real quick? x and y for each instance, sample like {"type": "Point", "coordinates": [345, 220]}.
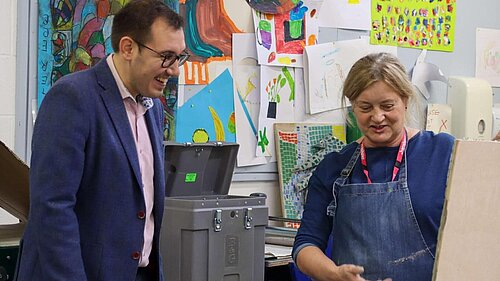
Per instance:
{"type": "Point", "coordinates": [8, 23]}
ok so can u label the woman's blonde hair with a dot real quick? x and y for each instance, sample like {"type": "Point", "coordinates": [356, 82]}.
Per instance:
{"type": "Point", "coordinates": [374, 68]}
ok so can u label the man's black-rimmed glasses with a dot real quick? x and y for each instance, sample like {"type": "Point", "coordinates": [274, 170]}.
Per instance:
{"type": "Point", "coordinates": [168, 58]}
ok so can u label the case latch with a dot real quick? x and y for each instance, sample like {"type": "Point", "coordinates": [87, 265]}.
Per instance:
{"type": "Point", "coordinates": [248, 218]}
{"type": "Point", "coordinates": [218, 220]}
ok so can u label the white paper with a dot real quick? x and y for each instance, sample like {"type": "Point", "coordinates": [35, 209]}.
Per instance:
{"type": "Point", "coordinates": [488, 55]}
{"type": "Point", "coordinates": [347, 14]}
{"type": "Point", "coordinates": [327, 67]}
{"type": "Point", "coordinates": [246, 98]}
{"type": "Point", "coordinates": [438, 118]}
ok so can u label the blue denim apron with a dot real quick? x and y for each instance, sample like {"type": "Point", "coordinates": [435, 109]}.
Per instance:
{"type": "Point", "coordinates": [374, 226]}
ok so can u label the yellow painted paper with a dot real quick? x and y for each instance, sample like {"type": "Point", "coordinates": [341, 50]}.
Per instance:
{"type": "Point", "coordinates": [420, 24]}
{"type": "Point", "coordinates": [353, 2]}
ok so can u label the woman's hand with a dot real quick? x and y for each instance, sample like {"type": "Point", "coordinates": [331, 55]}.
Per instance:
{"type": "Point", "coordinates": [349, 272]}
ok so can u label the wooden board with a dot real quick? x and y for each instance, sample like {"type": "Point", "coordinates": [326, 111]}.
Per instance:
{"type": "Point", "coordinates": [469, 236]}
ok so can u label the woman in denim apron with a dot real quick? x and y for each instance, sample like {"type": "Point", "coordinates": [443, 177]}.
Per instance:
{"type": "Point", "coordinates": [381, 197]}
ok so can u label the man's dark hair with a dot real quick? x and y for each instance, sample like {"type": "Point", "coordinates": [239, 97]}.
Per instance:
{"type": "Point", "coordinates": [136, 17]}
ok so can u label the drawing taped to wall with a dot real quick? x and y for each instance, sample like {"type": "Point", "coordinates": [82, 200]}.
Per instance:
{"type": "Point", "coordinates": [281, 38]}
{"type": "Point", "coordinates": [488, 55]}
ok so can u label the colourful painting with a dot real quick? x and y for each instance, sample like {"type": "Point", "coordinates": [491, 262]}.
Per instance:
{"type": "Point", "coordinates": [421, 24]}
{"type": "Point", "coordinates": [74, 35]}
{"type": "Point", "coordinates": [281, 38]}
{"type": "Point", "coordinates": [300, 148]}
{"type": "Point", "coordinates": [210, 25]}
{"type": "Point", "coordinates": [208, 116]}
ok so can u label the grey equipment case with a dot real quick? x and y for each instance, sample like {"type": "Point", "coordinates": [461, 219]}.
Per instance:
{"type": "Point", "coordinates": [209, 235]}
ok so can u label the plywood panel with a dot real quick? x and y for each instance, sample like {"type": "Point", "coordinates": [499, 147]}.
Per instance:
{"type": "Point", "coordinates": [469, 237]}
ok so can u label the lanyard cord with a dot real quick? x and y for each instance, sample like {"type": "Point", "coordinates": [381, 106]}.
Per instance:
{"type": "Point", "coordinates": [399, 158]}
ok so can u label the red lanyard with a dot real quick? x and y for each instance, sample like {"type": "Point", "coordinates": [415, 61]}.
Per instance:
{"type": "Point", "coordinates": [399, 158]}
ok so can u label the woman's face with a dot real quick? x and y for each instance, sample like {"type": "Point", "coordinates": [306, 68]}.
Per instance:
{"type": "Point", "coordinates": [380, 113]}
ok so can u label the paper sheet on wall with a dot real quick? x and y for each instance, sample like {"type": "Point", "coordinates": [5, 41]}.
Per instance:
{"type": "Point", "coordinates": [326, 67]}
{"type": "Point", "coordinates": [246, 98]}
{"type": "Point", "coordinates": [438, 118]}
{"type": "Point", "coordinates": [277, 98]}
{"type": "Point", "coordinates": [352, 14]}
{"type": "Point", "coordinates": [280, 39]}
{"type": "Point", "coordinates": [488, 55]}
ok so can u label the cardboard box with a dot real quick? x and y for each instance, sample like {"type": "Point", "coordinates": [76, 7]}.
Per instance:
{"type": "Point", "coordinates": [14, 198]}
{"type": "Point", "coordinates": [14, 194]}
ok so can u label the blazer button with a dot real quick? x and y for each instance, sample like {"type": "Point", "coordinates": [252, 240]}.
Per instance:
{"type": "Point", "coordinates": [136, 255]}
{"type": "Point", "coordinates": [141, 215]}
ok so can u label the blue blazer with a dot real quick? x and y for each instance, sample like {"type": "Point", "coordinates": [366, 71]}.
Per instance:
{"type": "Point", "coordinates": [85, 185]}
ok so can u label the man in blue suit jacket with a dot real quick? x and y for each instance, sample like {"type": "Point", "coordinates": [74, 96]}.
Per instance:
{"type": "Point", "coordinates": [96, 185]}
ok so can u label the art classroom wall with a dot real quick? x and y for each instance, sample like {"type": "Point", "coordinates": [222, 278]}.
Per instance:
{"type": "Point", "coordinates": [459, 62]}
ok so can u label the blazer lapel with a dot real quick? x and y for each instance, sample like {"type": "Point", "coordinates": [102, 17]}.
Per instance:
{"type": "Point", "coordinates": [116, 109]}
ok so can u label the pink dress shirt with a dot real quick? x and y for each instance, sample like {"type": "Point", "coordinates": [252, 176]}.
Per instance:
{"type": "Point", "coordinates": [135, 113]}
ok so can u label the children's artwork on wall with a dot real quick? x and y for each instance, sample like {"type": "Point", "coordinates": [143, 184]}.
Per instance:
{"type": "Point", "coordinates": [326, 66]}
{"type": "Point", "coordinates": [246, 74]}
{"type": "Point", "coordinates": [488, 55]}
{"type": "Point", "coordinates": [300, 148]}
{"type": "Point", "coordinates": [425, 24]}
{"type": "Point", "coordinates": [277, 95]}
{"type": "Point", "coordinates": [72, 36]}
{"type": "Point", "coordinates": [272, 6]}
{"type": "Point", "coordinates": [208, 115]}
{"type": "Point", "coordinates": [352, 14]}
{"type": "Point", "coordinates": [281, 38]}
{"type": "Point", "coordinates": [210, 25]}
{"type": "Point", "coordinates": [75, 35]}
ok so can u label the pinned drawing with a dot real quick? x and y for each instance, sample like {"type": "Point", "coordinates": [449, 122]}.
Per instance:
{"type": "Point", "coordinates": [326, 67]}
{"type": "Point", "coordinates": [281, 38]}
{"type": "Point", "coordinates": [246, 74]}
{"type": "Point", "coordinates": [277, 97]}
{"type": "Point", "coordinates": [488, 55]}
{"type": "Point", "coordinates": [209, 114]}
{"type": "Point", "coordinates": [414, 24]}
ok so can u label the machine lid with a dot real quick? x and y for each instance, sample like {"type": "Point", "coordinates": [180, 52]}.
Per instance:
{"type": "Point", "coordinates": [199, 169]}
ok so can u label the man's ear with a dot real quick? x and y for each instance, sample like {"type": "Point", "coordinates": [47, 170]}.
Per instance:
{"type": "Point", "coordinates": [126, 47]}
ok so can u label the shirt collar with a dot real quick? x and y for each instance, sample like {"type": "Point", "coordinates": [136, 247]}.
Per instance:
{"type": "Point", "coordinates": [124, 92]}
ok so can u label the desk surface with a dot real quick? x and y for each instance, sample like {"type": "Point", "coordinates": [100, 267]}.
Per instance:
{"type": "Point", "coordinates": [277, 255]}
